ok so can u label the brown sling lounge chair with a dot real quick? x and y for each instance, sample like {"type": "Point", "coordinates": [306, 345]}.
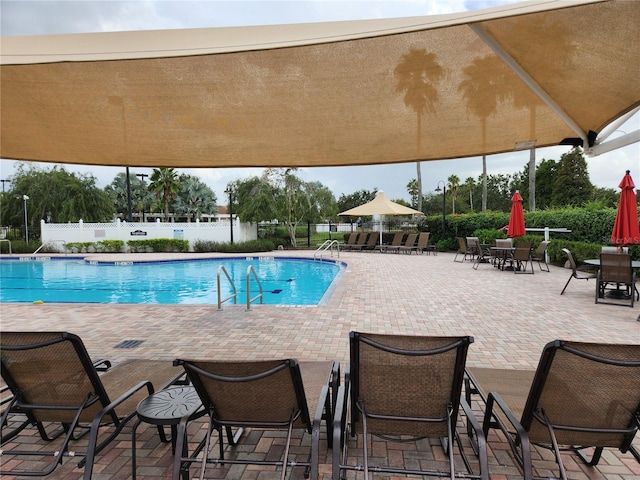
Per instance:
{"type": "Point", "coordinates": [409, 387]}
{"type": "Point", "coordinates": [581, 395]}
{"type": "Point", "coordinates": [56, 387]}
{"type": "Point", "coordinates": [263, 395]}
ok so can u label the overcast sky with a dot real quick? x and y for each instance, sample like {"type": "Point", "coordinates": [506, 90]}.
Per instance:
{"type": "Point", "coordinates": [27, 17]}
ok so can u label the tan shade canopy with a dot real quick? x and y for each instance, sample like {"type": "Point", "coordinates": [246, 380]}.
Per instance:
{"type": "Point", "coordinates": [326, 94]}
{"type": "Point", "coordinates": [381, 205]}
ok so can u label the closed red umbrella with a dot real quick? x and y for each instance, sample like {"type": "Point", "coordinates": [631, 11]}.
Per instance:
{"type": "Point", "coordinates": [516, 220]}
{"type": "Point", "coordinates": [625, 229]}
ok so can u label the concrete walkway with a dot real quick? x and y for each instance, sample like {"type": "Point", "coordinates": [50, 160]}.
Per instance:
{"type": "Point", "coordinates": [510, 316]}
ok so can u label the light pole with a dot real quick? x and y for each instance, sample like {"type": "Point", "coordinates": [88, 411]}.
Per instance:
{"type": "Point", "coordinates": [3, 182]}
{"type": "Point", "coordinates": [142, 177]}
{"type": "Point", "coordinates": [229, 191]}
{"type": "Point", "coordinates": [26, 223]}
{"type": "Point", "coordinates": [444, 206]}
{"type": "Point", "coordinates": [128, 197]}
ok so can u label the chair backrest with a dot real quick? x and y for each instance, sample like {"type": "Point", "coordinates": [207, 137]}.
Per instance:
{"type": "Point", "coordinates": [397, 239]}
{"type": "Point", "coordinates": [504, 242]}
{"type": "Point", "coordinates": [372, 239]}
{"type": "Point", "coordinates": [522, 251]}
{"type": "Point", "coordinates": [588, 386]}
{"type": "Point", "coordinates": [542, 249]}
{"type": "Point", "coordinates": [362, 239]}
{"type": "Point", "coordinates": [609, 249]}
{"type": "Point", "coordinates": [411, 240]}
{"type": "Point", "coordinates": [462, 244]}
{"type": "Point", "coordinates": [423, 240]}
{"type": "Point", "coordinates": [407, 377]}
{"type": "Point", "coordinates": [615, 267]}
{"type": "Point", "coordinates": [572, 262]}
{"type": "Point", "coordinates": [52, 369]}
{"type": "Point", "coordinates": [473, 245]}
{"type": "Point", "coordinates": [259, 393]}
{"type": "Point", "coordinates": [352, 238]}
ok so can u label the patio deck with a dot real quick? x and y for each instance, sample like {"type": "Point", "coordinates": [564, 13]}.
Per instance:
{"type": "Point", "coordinates": [510, 316]}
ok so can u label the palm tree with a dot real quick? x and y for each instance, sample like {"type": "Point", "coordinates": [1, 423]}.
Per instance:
{"type": "Point", "coordinates": [416, 76]}
{"type": "Point", "coordinates": [454, 182]}
{"type": "Point", "coordinates": [165, 184]}
{"type": "Point", "coordinates": [470, 184]}
{"type": "Point", "coordinates": [478, 81]}
{"type": "Point", "coordinates": [195, 198]}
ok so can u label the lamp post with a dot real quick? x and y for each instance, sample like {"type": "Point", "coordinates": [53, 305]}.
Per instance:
{"type": "Point", "coordinates": [142, 177]}
{"type": "Point", "coordinates": [444, 206]}
{"type": "Point", "coordinates": [229, 191]}
{"type": "Point", "coordinates": [26, 223]}
{"type": "Point", "coordinates": [128, 197]}
{"type": "Point", "coordinates": [3, 182]}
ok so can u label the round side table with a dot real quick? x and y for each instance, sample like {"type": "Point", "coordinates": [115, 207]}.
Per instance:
{"type": "Point", "coordinates": [166, 407]}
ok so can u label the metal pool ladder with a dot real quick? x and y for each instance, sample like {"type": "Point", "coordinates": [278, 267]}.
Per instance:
{"type": "Point", "coordinates": [234, 295]}
{"type": "Point", "coordinates": [327, 245]}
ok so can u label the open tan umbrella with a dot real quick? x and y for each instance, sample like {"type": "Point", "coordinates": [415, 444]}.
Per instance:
{"type": "Point", "coordinates": [381, 205]}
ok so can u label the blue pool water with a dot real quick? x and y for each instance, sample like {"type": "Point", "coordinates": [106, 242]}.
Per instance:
{"type": "Point", "coordinates": [285, 281]}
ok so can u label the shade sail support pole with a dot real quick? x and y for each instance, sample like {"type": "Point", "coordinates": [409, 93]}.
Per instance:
{"type": "Point", "coordinates": [526, 78]}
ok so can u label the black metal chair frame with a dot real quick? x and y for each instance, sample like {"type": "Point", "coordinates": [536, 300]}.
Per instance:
{"type": "Point", "coordinates": [517, 433]}
{"type": "Point", "coordinates": [350, 406]}
{"type": "Point", "coordinates": [576, 272]}
{"type": "Point", "coordinates": [324, 411]}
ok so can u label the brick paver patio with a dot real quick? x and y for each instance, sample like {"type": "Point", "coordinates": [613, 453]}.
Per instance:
{"type": "Point", "coordinates": [510, 316]}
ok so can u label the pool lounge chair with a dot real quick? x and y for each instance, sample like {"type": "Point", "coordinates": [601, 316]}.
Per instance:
{"type": "Point", "coordinates": [405, 387]}
{"type": "Point", "coordinates": [56, 387]}
{"type": "Point", "coordinates": [581, 395]}
{"type": "Point", "coordinates": [358, 243]}
{"type": "Point", "coordinates": [263, 395]}
{"type": "Point", "coordinates": [409, 243]}
{"type": "Point", "coordinates": [372, 241]}
{"type": "Point", "coordinates": [394, 245]}
{"type": "Point", "coordinates": [421, 244]}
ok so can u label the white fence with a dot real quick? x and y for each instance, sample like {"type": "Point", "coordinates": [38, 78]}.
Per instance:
{"type": "Point", "coordinates": [59, 234]}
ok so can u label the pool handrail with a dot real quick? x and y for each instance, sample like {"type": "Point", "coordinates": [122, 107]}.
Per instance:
{"type": "Point", "coordinates": [327, 245]}
{"type": "Point", "coordinates": [250, 300]}
{"type": "Point", "coordinates": [234, 295]}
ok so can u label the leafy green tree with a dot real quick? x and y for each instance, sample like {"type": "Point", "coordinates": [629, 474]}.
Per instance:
{"type": "Point", "coordinates": [546, 174]}
{"type": "Point", "coordinates": [55, 195]}
{"type": "Point", "coordinates": [166, 185]}
{"type": "Point", "coordinates": [607, 197]}
{"type": "Point", "coordinates": [499, 193]}
{"type": "Point", "coordinates": [572, 185]}
{"type": "Point", "coordinates": [454, 182]}
{"type": "Point", "coordinates": [194, 198]}
{"type": "Point", "coordinates": [359, 197]}
{"type": "Point", "coordinates": [281, 195]}
{"type": "Point", "coordinates": [416, 76]}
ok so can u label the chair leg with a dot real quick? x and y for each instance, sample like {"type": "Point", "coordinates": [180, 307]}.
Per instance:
{"type": "Point", "coordinates": [565, 285]}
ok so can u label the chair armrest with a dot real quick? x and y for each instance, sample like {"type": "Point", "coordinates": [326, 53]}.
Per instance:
{"type": "Point", "coordinates": [480, 443]}
{"type": "Point", "coordinates": [102, 365]}
{"type": "Point", "coordinates": [524, 458]}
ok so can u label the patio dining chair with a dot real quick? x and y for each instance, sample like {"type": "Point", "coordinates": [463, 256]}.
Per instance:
{"type": "Point", "coordinates": [540, 255]}
{"type": "Point", "coordinates": [616, 272]}
{"type": "Point", "coordinates": [279, 395]}
{"type": "Point", "coordinates": [403, 388]}
{"type": "Point", "coordinates": [583, 397]}
{"type": "Point", "coordinates": [56, 388]}
{"type": "Point", "coordinates": [576, 272]}
{"type": "Point", "coordinates": [521, 257]}
{"type": "Point", "coordinates": [462, 250]}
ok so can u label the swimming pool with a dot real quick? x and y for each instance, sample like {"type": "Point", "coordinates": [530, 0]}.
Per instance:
{"type": "Point", "coordinates": [285, 281]}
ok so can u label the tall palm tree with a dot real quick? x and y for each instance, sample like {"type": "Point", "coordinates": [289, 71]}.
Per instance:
{"type": "Point", "coordinates": [454, 183]}
{"type": "Point", "coordinates": [470, 183]}
{"type": "Point", "coordinates": [478, 80]}
{"type": "Point", "coordinates": [416, 76]}
{"type": "Point", "coordinates": [165, 184]}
